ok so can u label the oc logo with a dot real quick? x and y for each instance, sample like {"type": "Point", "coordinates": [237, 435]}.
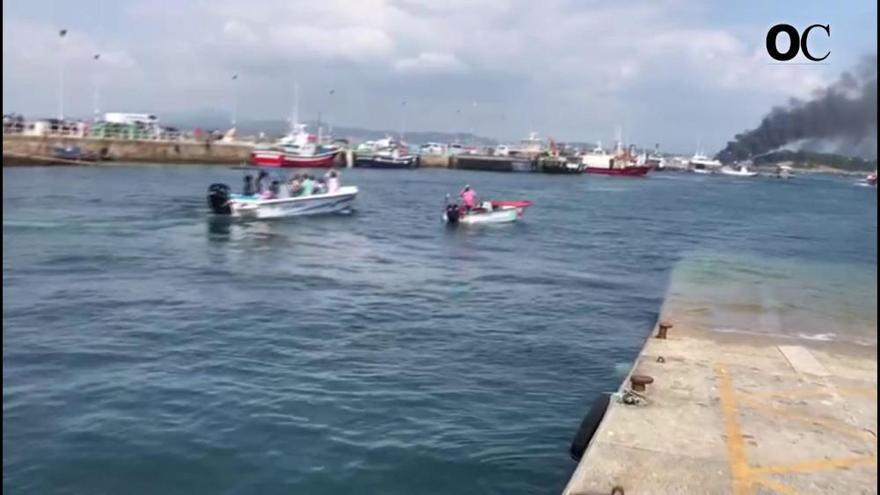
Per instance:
{"type": "Point", "coordinates": [797, 42]}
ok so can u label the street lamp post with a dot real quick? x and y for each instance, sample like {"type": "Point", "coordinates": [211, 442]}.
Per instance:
{"type": "Point", "coordinates": [402, 119]}
{"type": "Point", "coordinates": [61, 35]}
{"type": "Point", "coordinates": [97, 83]}
{"type": "Point", "coordinates": [234, 100]}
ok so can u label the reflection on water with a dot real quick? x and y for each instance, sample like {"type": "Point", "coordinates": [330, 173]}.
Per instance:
{"type": "Point", "coordinates": [750, 294]}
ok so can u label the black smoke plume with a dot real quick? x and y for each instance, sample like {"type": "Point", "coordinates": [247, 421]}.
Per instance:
{"type": "Point", "coordinates": [841, 119]}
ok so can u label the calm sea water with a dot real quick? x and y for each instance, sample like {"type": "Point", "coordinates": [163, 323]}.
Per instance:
{"type": "Point", "coordinates": [147, 349]}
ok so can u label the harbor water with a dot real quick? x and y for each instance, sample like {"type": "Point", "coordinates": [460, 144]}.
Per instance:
{"type": "Point", "coordinates": [150, 349]}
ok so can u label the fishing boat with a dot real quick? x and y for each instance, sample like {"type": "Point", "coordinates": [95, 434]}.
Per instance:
{"type": "Point", "coordinates": [299, 149]}
{"type": "Point", "coordinates": [738, 171]}
{"type": "Point", "coordinates": [555, 163]}
{"type": "Point", "coordinates": [702, 164]}
{"type": "Point", "coordinates": [489, 212]}
{"type": "Point", "coordinates": [385, 153]}
{"type": "Point", "coordinates": [599, 161]}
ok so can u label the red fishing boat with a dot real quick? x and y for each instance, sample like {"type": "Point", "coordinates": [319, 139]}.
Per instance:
{"type": "Point", "coordinates": [599, 161]}
{"type": "Point", "coordinates": [299, 149]}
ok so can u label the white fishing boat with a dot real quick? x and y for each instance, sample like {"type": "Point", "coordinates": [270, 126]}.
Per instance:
{"type": "Point", "coordinates": [738, 171]}
{"type": "Point", "coordinates": [253, 207]}
{"type": "Point", "coordinates": [702, 164]}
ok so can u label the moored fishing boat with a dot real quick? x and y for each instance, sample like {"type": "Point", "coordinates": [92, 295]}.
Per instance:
{"type": "Point", "coordinates": [386, 153]}
{"type": "Point", "coordinates": [598, 161]}
{"type": "Point", "coordinates": [299, 149]}
{"type": "Point", "coordinates": [702, 164]}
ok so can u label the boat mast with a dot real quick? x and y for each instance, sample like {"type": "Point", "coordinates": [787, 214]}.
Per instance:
{"type": "Point", "coordinates": [294, 119]}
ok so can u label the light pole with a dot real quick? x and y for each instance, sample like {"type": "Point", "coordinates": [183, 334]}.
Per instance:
{"type": "Point", "coordinates": [61, 35]}
{"type": "Point", "coordinates": [329, 121]}
{"type": "Point", "coordinates": [234, 100]}
{"type": "Point", "coordinates": [97, 87]}
{"type": "Point", "coordinates": [402, 119]}
{"type": "Point", "coordinates": [473, 124]}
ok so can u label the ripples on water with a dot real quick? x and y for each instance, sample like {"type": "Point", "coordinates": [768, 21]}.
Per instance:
{"type": "Point", "coordinates": [148, 349]}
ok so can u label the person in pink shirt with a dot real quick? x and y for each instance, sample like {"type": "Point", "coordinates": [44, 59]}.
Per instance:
{"type": "Point", "coordinates": [468, 198]}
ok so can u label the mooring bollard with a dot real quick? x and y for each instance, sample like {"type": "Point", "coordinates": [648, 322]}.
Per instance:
{"type": "Point", "coordinates": [638, 382]}
{"type": "Point", "coordinates": [663, 327]}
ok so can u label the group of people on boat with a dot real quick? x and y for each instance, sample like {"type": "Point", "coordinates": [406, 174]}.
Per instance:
{"type": "Point", "coordinates": [298, 185]}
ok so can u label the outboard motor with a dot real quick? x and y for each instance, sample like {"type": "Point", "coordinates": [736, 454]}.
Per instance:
{"type": "Point", "coordinates": [452, 214]}
{"type": "Point", "coordinates": [218, 199]}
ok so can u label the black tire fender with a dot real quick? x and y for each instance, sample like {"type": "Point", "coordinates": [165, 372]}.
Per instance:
{"type": "Point", "coordinates": [588, 427]}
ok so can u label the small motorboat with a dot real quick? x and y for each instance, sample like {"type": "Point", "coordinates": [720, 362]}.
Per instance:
{"type": "Point", "coordinates": [871, 179]}
{"type": "Point", "coordinates": [783, 172]}
{"type": "Point", "coordinates": [64, 154]}
{"type": "Point", "coordinates": [487, 212]}
{"type": "Point", "coordinates": [224, 202]}
{"type": "Point", "coordinates": [741, 171]}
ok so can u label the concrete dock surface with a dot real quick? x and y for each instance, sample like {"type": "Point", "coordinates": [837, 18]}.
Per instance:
{"type": "Point", "coordinates": [737, 413]}
{"type": "Point", "coordinates": [739, 417]}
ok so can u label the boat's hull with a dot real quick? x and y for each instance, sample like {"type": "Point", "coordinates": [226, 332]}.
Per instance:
{"type": "Point", "coordinates": [738, 173]}
{"type": "Point", "coordinates": [495, 163]}
{"type": "Point", "coordinates": [273, 158]}
{"type": "Point", "coordinates": [635, 171]}
{"type": "Point", "coordinates": [385, 162]}
{"type": "Point", "coordinates": [252, 208]}
{"type": "Point", "coordinates": [504, 215]}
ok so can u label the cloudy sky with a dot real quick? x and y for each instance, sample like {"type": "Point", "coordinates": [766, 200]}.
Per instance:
{"type": "Point", "coordinates": [677, 72]}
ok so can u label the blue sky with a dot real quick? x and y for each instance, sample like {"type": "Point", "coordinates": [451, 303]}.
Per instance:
{"type": "Point", "coordinates": [674, 72]}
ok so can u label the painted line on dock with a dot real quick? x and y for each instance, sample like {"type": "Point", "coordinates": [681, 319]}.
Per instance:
{"type": "Point", "coordinates": [736, 451]}
{"type": "Point", "coordinates": [831, 424]}
{"type": "Point", "coordinates": [814, 466]}
{"type": "Point", "coordinates": [745, 477]}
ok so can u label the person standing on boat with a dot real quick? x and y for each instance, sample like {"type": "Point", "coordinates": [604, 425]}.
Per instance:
{"type": "Point", "coordinates": [468, 198]}
{"type": "Point", "coordinates": [262, 178]}
{"type": "Point", "coordinates": [248, 189]}
{"type": "Point", "coordinates": [332, 181]}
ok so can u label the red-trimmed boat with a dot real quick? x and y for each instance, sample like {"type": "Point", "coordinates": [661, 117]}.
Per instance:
{"type": "Point", "coordinates": [299, 149]}
{"type": "Point", "coordinates": [599, 161]}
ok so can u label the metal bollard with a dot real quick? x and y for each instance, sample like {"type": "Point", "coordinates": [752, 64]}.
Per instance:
{"type": "Point", "coordinates": [638, 382]}
{"type": "Point", "coordinates": [663, 327]}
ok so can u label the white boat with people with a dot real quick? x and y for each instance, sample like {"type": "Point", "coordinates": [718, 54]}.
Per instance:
{"type": "Point", "coordinates": [300, 195]}
{"type": "Point", "coordinates": [738, 171]}
{"type": "Point", "coordinates": [471, 212]}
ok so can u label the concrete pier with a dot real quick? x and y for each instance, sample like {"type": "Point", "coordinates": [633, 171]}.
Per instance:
{"type": "Point", "coordinates": [132, 150]}
{"type": "Point", "coordinates": [737, 413]}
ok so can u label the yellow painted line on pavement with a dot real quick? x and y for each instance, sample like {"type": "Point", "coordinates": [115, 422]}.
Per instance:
{"type": "Point", "coordinates": [775, 486]}
{"type": "Point", "coordinates": [814, 466]}
{"type": "Point", "coordinates": [736, 452]}
{"type": "Point", "coordinates": [831, 424]}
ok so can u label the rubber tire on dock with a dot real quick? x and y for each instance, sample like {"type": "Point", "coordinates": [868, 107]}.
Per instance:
{"type": "Point", "coordinates": [588, 427]}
